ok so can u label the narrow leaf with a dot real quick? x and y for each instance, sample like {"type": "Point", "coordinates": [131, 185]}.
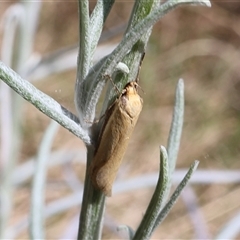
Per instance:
{"type": "Point", "coordinates": [176, 194]}
{"type": "Point", "coordinates": [146, 227]}
{"type": "Point", "coordinates": [41, 101]}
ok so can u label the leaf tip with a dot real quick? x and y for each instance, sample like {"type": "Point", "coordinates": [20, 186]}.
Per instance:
{"type": "Point", "coordinates": [163, 152]}
{"type": "Point", "coordinates": [180, 83]}
{"type": "Point", "coordinates": [196, 163]}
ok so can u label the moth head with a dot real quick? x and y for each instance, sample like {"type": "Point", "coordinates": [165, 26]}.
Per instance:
{"type": "Point", "coordinates": [130, 88]}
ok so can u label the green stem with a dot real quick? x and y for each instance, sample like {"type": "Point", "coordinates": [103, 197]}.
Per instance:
{"type": "Point", "coordinates": [90, 222]}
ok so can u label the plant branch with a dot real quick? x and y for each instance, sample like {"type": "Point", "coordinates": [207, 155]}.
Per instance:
{"type": "Point", "coordinates": [125, 46]}
{"type": "Point", "coordinates": [133, 59]}
{"type": "Point", "coordinates": [89, 38]}
{"type": "Point", "coordinates": [41, 101]}
{"type": "Point", "coordinates": [90, 225]}
{"type": "Point", "coordinates": [136, 32]}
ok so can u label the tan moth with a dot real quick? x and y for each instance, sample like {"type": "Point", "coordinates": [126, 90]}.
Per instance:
{"type": "Point", "coordinates": [117, 129]}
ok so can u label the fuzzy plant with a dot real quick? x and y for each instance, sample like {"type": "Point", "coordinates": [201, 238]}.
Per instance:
{"type": "Point", "coordinates": [122, 66]}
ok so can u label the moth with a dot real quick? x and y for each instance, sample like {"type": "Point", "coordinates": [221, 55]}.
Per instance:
{"type": "Point", "coordinates": [120, 120]}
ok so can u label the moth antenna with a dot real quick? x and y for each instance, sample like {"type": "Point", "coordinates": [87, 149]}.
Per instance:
{"type": "Point", "coordinates": [139, 85]}
{"type": "Point", "coordinates": [114, 85]}
{"type": "Point", "coordinates": [139, 68]}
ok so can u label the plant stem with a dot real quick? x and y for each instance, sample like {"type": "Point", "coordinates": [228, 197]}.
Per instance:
{"type": "Point", "coordinates": [90, 222]}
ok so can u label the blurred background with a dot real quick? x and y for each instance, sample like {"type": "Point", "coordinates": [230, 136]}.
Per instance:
{"type": "Point", "coordinates": [198, 44]}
